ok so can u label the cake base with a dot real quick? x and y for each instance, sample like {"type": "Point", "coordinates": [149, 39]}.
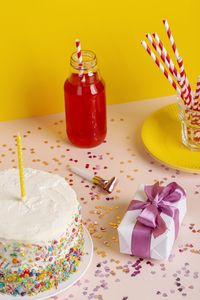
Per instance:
{"type": "Point", "coordinates": [82, 268]}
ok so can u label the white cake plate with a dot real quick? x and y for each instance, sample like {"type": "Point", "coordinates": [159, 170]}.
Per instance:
{"type": "Point", "coordinates": [82, 268]}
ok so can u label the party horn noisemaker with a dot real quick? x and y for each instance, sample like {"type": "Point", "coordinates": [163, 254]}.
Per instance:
{"type": "Point", "coordinates": [106, 185]}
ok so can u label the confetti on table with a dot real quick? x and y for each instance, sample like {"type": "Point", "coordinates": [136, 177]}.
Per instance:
{"type": "Point", "coordinates": [113, 275]}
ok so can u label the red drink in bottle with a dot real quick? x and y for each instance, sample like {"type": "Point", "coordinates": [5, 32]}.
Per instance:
{"type": "Point", "coordinates": [85, 103]}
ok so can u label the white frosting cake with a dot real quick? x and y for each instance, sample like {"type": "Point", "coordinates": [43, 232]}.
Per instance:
{"type": "Point", "coordinates": [41, 236]}
{"type": "Point", "coordinates": [43, 216]}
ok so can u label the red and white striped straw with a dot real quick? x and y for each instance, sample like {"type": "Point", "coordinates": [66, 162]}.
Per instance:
{"type": "Point", "coordinates": [171, 67]}
{"type": "Point", "coordinates": [181, 67]}
{"type": "Point", "coordinates": [185, 95]}
{"type": "Point", "coordinates": [182, 72]}
{"type": "Point", "coordinates": [174, 47]}
{"type": "Point", "coordinates": [161, 67]}
{"type": "Point", "coordinates": [184, 79]}
{"type": "Point", "coordinates": [160, 44]}
{"type": "Point", "coordinates": [196, 104]}
{"type": "Point", "coordinates": [166, 54]}
{"type": "Point", "coordinates": [170, 36]}
{"type": "Point", "coordinates": [197, 91]}
{"type": "Point", "coordinates": [79, 56]}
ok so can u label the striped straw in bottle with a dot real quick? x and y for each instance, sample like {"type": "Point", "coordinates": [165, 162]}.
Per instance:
{"type": "Point", "coordinates": [79, 56]}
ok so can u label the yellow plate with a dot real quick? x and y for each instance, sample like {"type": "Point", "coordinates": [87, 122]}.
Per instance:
{"type": "Point", "coordinates": [161, 135]}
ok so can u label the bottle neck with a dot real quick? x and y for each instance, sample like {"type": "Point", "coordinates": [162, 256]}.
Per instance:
{"type": "Point", "coordinates": [88, 65]}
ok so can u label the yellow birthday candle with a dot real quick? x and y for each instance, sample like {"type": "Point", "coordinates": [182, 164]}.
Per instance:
{"type": "Point", "coordinates": [20, 165]}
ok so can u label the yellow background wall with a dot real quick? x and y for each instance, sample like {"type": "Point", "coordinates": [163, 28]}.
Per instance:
{"type": "Point", "coordinates": [37, 38]}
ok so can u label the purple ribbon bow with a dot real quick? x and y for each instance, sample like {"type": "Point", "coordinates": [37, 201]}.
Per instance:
{"type": "Point", "coordinates": [159, 199]}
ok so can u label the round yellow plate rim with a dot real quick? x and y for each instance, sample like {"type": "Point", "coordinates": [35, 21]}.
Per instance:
{"type": "Point", "coordinates": [149, 129]}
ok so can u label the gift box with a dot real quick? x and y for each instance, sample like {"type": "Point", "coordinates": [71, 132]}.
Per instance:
{"type": "Point", "coordinates": [152, 220]}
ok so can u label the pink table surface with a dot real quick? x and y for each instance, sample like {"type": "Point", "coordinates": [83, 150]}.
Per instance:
{"type": "Point", "coordinates": [113, 275]}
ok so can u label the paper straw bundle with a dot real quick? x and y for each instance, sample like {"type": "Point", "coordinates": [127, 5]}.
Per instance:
{"type": "Point", "coordinates": [177, 77]}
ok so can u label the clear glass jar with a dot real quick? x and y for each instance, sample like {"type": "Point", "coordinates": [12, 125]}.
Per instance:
{"type": "Point", "coordinates": [85, 102]}
{"type": "Point", "coordinates": [190, 126]}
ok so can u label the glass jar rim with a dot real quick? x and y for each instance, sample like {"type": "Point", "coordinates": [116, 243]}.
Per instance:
{"type": "Point", "coordinates": [89, 60]}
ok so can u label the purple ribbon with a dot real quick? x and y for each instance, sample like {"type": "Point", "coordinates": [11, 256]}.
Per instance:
{"type": "Point", "coordinates": [159, 199]}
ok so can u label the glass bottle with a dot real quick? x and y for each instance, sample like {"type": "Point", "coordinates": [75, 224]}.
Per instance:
{"type": "Point", "coordinates": [85, 102]}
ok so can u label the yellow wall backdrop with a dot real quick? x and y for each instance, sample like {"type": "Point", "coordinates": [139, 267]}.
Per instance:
{"type": "Point", "coordinates": [37, 38]}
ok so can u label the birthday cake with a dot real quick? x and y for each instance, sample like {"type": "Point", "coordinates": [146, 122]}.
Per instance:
{"type": "Point", "coordinates": [41, 237]}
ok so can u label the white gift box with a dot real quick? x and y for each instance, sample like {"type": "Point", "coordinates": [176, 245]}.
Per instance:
{"type": "Point", "coordinates": [161, 246]}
